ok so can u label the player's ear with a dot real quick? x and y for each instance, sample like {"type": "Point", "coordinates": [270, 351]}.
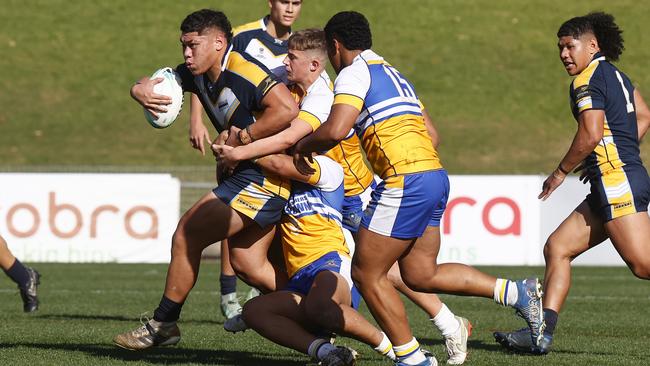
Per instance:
{"type": "Point", "coordinates": [593, 45]}
{"type": "Point", "coordinates": [220, 41]}
{"type": "Point", "coordinates": [314, 64]}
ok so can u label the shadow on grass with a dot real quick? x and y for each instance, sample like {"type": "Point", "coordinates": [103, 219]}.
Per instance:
{"type": "Point", "coordinates": [167, 355]}
{"type": "Point", "coordinates": [118, 318]}
{"type": "Point", "coordinates": [495, 347]}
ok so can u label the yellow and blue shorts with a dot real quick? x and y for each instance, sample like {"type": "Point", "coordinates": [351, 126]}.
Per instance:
{"type": "Point", "coordinates": [619, 192]}
{"type": "Point", "coordinates": [245, 192]}
{"type": "Point", "coordinates": [302, 281]}
{"type": "Point", "coordinates": [402, 206]}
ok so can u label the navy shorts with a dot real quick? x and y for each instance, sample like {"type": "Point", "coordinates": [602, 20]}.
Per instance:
{"type": "Point", "coordinates": [619, 192]}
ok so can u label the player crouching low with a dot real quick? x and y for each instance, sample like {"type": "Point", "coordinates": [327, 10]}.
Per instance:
{"type": "Point", "coordinates": [320, 297]}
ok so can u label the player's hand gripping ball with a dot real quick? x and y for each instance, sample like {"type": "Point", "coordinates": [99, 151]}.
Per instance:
{"type": "Point", "coordinates": [171, 87]}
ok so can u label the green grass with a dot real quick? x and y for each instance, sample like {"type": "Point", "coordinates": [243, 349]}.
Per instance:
{"type": "Point", "coordinates": [488, 71]}
{"type": "Point", "coordinates": [84, 305]}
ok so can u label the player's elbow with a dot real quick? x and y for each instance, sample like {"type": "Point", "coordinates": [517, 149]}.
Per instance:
{"type": "Point", "coordinates": [592, 140]}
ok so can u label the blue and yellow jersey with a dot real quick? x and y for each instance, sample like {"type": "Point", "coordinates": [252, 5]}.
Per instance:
{"type": "Point", "coordinates": [311, 223]}
{"type": "Point", "coordinates": [390, 124]}
{"type": "Point", "coordinates": [602, 86]}
{"type": "Point", "coordinates": [234, 99]}
{"type": "Point", "coordinates": [253, 39]}
{"type": "Point", "coordinates": [315, 105]}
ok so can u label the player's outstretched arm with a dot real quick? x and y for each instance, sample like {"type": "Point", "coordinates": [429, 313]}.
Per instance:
{"type": "Point", "coordinates": [231, 156]}
{"type": "Point", "coordinates": [142, 92]}
{"type": "Point", "coordinates": [282, 165]}
{"type": "Point", "coordinates": [279, 109]}
{"type": "Point", "coordinates": [339, 123]}
{"type": "Point", "coordinates": [198, 132]}
{"type": "Point", "coordinates": [642, 114]}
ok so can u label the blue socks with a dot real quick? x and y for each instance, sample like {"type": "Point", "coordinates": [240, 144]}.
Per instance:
{"type": "Point", "coordinates": [167, 310]}
{"type": "Point", "coordinates": [18, 273]}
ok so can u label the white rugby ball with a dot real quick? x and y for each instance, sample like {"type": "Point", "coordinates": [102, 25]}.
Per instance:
{"type": "Point", "coordinates": [171, 87]}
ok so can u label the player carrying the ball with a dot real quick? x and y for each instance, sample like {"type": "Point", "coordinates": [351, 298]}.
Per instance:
{"type": "Point", "coordinates": [235, 90]}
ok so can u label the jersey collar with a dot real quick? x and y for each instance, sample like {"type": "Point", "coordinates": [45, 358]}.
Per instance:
{"type": "Point", "coordinates": [598, 57]}
{"type": "Point", "coordinates": [226, 56]}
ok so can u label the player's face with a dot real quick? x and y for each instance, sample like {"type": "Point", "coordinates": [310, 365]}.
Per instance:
{"type": "Point", "coordinates": [285, 12]}
{"type": "Point", "coordinates": [200, 50]}
{"type": "Point", "coordinates": [577, 53]}
{"type": "Point", "coordinates": [297, 63]}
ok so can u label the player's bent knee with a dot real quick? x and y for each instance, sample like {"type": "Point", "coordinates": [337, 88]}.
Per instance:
{"type": "Point", "coordinates": [252, 310]}
{"type": "Point", "coordinates": [326, 314]}
{"type": "Point", "coordinates": [553, 249]}
{"type": "Point", "coordinates": [641, 269]}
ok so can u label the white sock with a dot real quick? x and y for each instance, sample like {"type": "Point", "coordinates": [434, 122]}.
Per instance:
{"type": "Point", "coordinates": [505, 292]}
{"type": "Point", "coordinates": [409, 354]}
{"type": "Point", "coordinates": [385, 348]}
{"type": "Point", "coordinates": [446, 322]}
{"type": "Point", "coordinates": [320, 348]}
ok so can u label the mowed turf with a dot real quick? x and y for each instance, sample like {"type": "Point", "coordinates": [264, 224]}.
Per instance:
{"type": "Point", "coordinates": [83, 306]}
{"type": "Point", "coordinates": [487, 71]}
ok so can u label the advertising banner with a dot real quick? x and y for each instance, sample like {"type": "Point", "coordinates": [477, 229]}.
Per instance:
{"type": "Point", "coordinates": [89, 217]}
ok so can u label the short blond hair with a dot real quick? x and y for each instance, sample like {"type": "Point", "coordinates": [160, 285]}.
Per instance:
{"type": "Point", "coordinates": [307, 40]}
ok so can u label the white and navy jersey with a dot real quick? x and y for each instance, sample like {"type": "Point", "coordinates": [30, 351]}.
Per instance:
{"type": "Point", "coordinates": [253, 40]}
{"type": "Point", "coordinates": [602, 86]}
{"type": "Point", "coordinates": [311, 224]}
{"type": "Point", "coordinates": [390, 123]}
{"type": "Point", "coordinates": [234, 99]}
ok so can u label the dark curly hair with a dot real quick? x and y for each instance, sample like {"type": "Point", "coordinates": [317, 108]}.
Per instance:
{"type": "Point", "coordinates": [602, 26]}
{"type": "Point", "coordinates": [351, 29]}
{"type": "Point", "coordinates": [203, 19]}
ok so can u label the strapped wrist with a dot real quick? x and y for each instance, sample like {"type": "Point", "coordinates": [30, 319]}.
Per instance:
{"type": "Point", "coordinates": [565, 172]}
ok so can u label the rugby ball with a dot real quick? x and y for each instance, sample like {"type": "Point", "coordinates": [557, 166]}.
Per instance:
{"type": "Point", "coordinates": [171, 87]}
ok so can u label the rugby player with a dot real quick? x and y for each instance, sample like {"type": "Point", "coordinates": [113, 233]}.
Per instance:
{"type": "Point", "coordinates": [311, 87]}
{"type": "Point", "coordinates": [266, 41]}
{"type": "Point", "coordinates": [233, 88]}
{"type": "Point", "coordinates": [402, 220]}
{"type": "Point", "coordinates": [612, 119]}
{"type": "Point", "coordinates": [25, 277]}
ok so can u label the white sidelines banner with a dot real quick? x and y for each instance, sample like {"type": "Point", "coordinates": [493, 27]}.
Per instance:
{"type": "Point", "coordinates": [89, 217]}
{"type": "Point", "coordinates": [498, 220]}
{"type": "Point", "coordinates": [491, 220]}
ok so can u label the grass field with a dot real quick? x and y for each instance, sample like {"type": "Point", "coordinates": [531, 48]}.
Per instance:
{"type": "Point", "coordinates": [488, 71]}
{"type": "Point", "coordinates": [605, 322]}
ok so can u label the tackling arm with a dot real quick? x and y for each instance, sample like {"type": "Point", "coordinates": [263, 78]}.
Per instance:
{"type": "Point", "coordinates": [338, 125]}
{"type": "Point", "coordinates": [282, 165]}
{"type": "Point", "coordinates": [279, 109]}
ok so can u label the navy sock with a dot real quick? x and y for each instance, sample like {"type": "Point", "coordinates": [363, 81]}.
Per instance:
{"type": "Point", "coordinates": [228, 284]}
{"type": "Point", "coordinates": [167, 310]}
{"type": "Point", "coordinates": [18, 273]}
{"type": "Point", "coordinates": [550, 317]}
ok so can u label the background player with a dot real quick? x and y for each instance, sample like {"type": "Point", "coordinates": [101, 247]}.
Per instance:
{"type": "Point", "coordinates": [247, 199]}
{"type": "Point", "coordinates": [612, 118]}
{"type": "Point", "coordinates": [266, 41]}
{"type": "Point", "coordinates": [26, 278]}
{"type": "Point", "coordinates": [401, 222]}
